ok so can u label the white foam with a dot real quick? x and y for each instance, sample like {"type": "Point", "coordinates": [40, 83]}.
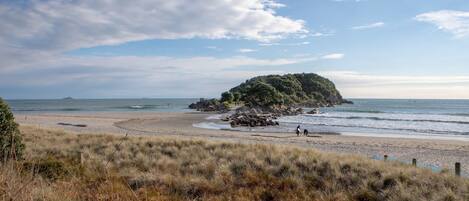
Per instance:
{"type": "Point", "coordinates": [211, 125]}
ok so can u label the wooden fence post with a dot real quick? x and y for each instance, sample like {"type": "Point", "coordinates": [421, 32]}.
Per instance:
{"type": "Point", "coordinates": [457, 168]}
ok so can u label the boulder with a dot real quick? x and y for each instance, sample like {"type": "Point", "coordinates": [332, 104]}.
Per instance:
{"type": "Point", "coordinates": [314, 111]}
{"type": "Point", "coordinates": [252, 119]}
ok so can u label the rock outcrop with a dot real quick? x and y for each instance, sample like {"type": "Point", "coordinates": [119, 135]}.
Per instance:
{"type": "Point", "coordinates": [252, 120]}
{"type": "Point", "coordinates": [265, 98]}
{"type": "Point", "coordinates": [258, 116]}
{"type": "Point", "coordinates": [209, 105]}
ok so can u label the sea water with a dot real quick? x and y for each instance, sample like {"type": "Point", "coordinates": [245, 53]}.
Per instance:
{"type": "Point", "coordinates": [385, 117]}
{"type": "Point", "coordinates": [440, 119]}
{"type": "Point", "coordinates": [100, 105]}
{"type": "Point", "coordinates": [446, 119]}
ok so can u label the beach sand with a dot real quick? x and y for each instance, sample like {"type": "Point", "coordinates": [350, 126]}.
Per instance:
{"type": "Point", "coordinates": [430, 153]}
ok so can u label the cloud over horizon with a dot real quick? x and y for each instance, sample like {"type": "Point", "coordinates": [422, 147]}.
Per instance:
{"type": "Point", "coordinates": [356, 84]}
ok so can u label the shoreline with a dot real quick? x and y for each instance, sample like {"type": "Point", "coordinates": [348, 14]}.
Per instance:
{"type": "Point", "coordinates": [436, 154]}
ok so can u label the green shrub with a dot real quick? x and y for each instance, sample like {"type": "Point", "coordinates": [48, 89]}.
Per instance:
{"type": "Point", "coordinates": [11, 145]}
{"type": "Point", "coordinates": [236, 97]}
{"type": "Point", "coordinates": [53, 168]}
{"type": "Point", "coordinates": [291, 89]}
{"type": "Point", "coordinates": [227, 97]}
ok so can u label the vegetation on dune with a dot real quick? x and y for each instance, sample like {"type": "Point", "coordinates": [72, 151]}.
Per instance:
{"type": "Point", "coordinates": [110, 167]}
{"type": "Point", "coordinates": [11, 146]}
{"type": "Point", "coordinates": [292, 89]}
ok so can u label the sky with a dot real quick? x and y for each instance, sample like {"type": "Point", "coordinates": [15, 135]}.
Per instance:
{"type": "Point", "coordinates": [200, 48]}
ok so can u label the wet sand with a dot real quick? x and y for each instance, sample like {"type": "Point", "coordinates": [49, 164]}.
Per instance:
{"type": "Point", "coordinates": [431, 153]}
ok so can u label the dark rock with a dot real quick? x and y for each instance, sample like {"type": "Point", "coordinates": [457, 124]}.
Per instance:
{"type": "Point", "coordinates": [209, 105]}
{"type": "Point", "coordinates": [261, 116]}
{"type": "Point", "coordinates": [314, 111]}
{"type": "Point", "coordinates": [344, 101]}
{"type": "Point", "coordinates": [252, 118]}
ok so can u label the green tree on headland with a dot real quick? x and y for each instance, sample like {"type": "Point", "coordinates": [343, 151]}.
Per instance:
{"type": "Point", "coordinates": [11, 145]}
{"type": "Point", "coordinates": [227, 97]}
{"type": "Point", "coordinates": [303, 89]}
{"type": "Point", "coordinates": [262, 94]}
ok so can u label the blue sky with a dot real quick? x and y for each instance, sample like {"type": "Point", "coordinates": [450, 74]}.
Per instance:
{"type": "Point", "coordinates": [200, 48]}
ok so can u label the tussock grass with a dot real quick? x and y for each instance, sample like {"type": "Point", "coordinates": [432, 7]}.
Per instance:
{"type": "Point", "coordinates": [61, 166]}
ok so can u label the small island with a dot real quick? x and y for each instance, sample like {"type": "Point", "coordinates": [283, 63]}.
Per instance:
{"type": "Point", "coordinates": [260, 100]}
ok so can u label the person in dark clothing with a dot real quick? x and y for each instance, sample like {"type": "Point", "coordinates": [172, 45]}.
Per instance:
{"type": "Point", "coordinates": [298, 130]}
{"type": "Point", "coordinates": [306, 132]}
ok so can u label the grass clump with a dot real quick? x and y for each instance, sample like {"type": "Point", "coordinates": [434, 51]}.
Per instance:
{"type": "Point", "coordinates": [157, 168]}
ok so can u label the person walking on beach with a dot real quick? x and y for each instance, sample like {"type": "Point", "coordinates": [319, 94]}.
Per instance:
{"type": "Point", "coordinates": [298, 130]}
{"type": "Point", "coordinates": [306, 132]}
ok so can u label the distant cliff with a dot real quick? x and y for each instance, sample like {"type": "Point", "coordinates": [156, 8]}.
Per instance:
{"type": "Point", "coordinates": [306, 89]}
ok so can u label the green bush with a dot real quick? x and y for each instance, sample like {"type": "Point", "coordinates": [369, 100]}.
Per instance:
{"type": "Point", "coordinates": [262, 94]}
{"type": "Point", "coordinates": [227, 97]}
{"type": "Point", "coordinates": [236, 97]}
{"type": "Point", "coordinates": [291, 89]}
{"type": "Point", "coordinates": [53, 168]}
{"type": "Point", "coordinates": [11, 145]}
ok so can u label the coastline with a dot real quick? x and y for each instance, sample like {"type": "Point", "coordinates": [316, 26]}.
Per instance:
{"type": "Point", "coordinates": [436, 154]}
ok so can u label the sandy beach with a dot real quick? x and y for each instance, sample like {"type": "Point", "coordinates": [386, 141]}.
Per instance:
{"type": "Point", "coordinates": [430, 153]}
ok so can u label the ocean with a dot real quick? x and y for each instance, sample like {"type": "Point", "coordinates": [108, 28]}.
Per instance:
{"type": "Point", "coordinates": [424, 119]}
{"type": "Point", "coordinates": [99, 105]}
{"type": "Point", "coordinates": [443, 119]}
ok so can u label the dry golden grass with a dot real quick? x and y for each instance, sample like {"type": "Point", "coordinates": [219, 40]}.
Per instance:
{"type": "Point", "coordinates": [61, 166]}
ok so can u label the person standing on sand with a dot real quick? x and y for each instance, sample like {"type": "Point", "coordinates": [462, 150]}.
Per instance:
{"type": "Point", "coordinates": [298, 130]}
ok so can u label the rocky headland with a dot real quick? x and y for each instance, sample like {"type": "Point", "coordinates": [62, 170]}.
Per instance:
{"type": "Point", "coordinates": [265, 98]}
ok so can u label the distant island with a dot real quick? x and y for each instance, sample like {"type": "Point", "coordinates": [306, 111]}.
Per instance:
{"type": "Point", "coordinates": [67, 98]}
{"type": "Point", "coordinates": [273, 96]}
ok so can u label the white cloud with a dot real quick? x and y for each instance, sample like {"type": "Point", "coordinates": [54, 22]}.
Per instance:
{"type": "Point", "coordinates": [369, 26]}
{"type": "Point", "coordinates": [133, 76]}
{"type": "Point", "coordinates": [455, 22]}
{"type": "Point", "coordinates": [36, 34]}
{"type": "Point", "coordinates": [246, 50]}
{"type": "Point", "coordinates": [348, 0]}
{"type": "Point", "coordinates": [285, 44]}
{"type": "Point", "coordinates": [359, 85]}
{"type": "Point", "coordinates": [66, 25]}
{"type": "Point", "coordinates": [333, 56]}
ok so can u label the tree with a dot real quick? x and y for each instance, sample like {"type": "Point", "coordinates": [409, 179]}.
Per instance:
{"type": "Point", "coordinates": [236, 97]}
{"type": "Point", "coordinates": [11, 146]}
{"type": "Point", "coordinates": [227, 97]}
{"type": "Point", "coordinates": [262, 94]}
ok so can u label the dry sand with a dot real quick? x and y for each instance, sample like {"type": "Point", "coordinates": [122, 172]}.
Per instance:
{"type": "Point", "coordinates": [431, 153]}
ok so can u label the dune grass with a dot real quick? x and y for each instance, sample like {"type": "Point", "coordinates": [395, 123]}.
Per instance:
{"type": "Point", "coordinates": [62, 166]}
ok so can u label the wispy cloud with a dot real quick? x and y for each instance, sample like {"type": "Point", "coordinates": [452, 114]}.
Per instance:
{"type": "Point", "coordinates": [285, 44]}
{"type": "Point", "coordinates": [369, 26]}
{"type": "Point", "coordinates": [348, 0]}
{"type": "Point", "coordinates": [455, 22]}
{"type": "Point", "coordinates": [246, 50]}
{"type": "Point", "coordinates": [333, 56]}
{"type": "Point", "coordinates": [214, 48]}
{"type": "Point", "coordinates": [363, 85]}
{"type": "Point", "coordinates": [100, 76]}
